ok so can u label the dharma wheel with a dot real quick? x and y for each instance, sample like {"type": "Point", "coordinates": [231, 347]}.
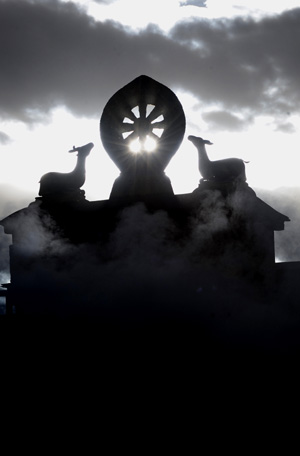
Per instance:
{"type": "Point", "coordinates": [142, 125]}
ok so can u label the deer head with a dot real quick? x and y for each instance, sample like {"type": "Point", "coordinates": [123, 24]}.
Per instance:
{"type": "Point", "coordinates": [197, 141]}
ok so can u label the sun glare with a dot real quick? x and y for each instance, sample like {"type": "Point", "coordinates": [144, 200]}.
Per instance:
{"type": "Point", "coordinates": [150, 144]}
{"type": "Point", "coordinates": [139, 146]}
{"type": "Point", "coordinates": [135, 146]}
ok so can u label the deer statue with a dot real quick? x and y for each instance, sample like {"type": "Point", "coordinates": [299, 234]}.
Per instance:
{"type": "Point", "coordinates": [56, 184]}
{"type": "Point", "coordinates": [228, 169]}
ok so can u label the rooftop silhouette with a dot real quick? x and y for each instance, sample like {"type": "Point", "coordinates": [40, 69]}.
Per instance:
{"type": "Point", "coordinates": [145, 254]}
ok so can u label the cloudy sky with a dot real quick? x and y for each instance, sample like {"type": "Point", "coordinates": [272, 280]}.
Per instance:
{"type": "Point", "coordinates": [234, 65]}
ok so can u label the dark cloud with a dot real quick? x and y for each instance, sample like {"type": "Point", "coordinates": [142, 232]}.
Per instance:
{"type": "Point", "coordinates": [200, 3]}
{"type": "Point", "coordinates": [286, 127]}
{"type": "Point", "coordinates": [54, 53]}
{"type": "Point", "coordinates": [4, 138]}
{"type": "Point", "coordinates": [222, 120]}
{"type": "Point", "coordinates": [245, 64]}
{"type": "Point", "coordinates": [106, 2]}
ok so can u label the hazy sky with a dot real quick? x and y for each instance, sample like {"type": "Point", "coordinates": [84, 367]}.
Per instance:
{"type": "Point", "coordinates": [234, 66]}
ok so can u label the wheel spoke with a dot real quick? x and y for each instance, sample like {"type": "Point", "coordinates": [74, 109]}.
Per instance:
{"type": "Point", "coordinates": [154, 114]}
{"type": "Point", "coordinates": [142, 109]}
{"type": "Point", "coordinates": [131, 114]}
{"type": "Point", "coordinates": [154, 136]}
{"type": "Point", "coordinates": [127, 127]}
{"type": "Point", "coordinates": [161, 124]}
{"type": "Point", "coordinates": [131, 137]}
{"type": "Point", "coordinates": [158, 132]}
{"type": "Point", "coordinates": [150, 108]}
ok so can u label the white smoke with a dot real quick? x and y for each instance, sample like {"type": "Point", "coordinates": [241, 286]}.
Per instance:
{"type": "Point", "coordinates": [146, 272]}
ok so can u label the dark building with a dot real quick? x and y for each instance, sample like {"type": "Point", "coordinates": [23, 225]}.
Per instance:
{"type": "Point", "coordinates": [144, 255]}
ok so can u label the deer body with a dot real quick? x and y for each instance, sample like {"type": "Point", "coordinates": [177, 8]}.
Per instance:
{"type": "Point", "coordinates": [228, 169]}
{"type": "Point", "coordinates": [59, 183]}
